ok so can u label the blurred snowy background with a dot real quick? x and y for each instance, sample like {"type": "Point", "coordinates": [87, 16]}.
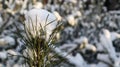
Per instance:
{"type": "Point", "coordinates": [90, 31]}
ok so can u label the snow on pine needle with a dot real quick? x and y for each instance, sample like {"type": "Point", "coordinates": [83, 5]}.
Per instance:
{"type": "Point", "coordinates": [37, 19]}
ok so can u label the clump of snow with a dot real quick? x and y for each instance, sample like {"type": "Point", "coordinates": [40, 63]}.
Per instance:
{"type": "Point", "coordinates": [117, 63]}
{"type": "Point", "coordinates": [7, 40]}
{"type": "Point", "coordinates": [10, 40]}
{"type": "Point", "coordinates": [72, 1]}
{"type": "Point", "coordinates": [12, 52]}
{"type": "Point", "coordinates": [82, 41]}
{"type": "Point", "coordinates": [101, 64]}
{"type": "Point", "coordinates": [3, 55]}
{"type": "Point", "coordinates": [59, 18]}
{"type": "Point", "coordinates": [114, 35]}
{"type": "Point", "coordinates": [38, 5]}
{"type": "Point", "coordinates": [77, 60]}
{"type": "Point", "coordinates": [99, 47]}
{"type": "Point", "coordinates": [104, 57]}
{"type": "Point", "coordinates": [2, 42]}
{"type": "Point", "coordinates": [35, 17]}
{"type": "Point", "coordinates": [71, 20]}
{"type": "Point", "coordinates": [77, 13]}
{"type": "Point", "coordinates": [84, 45]}
{"type": "Point", "coordinates": [68, 47]}
{"type": "Point", "coordinates": [106, 42]}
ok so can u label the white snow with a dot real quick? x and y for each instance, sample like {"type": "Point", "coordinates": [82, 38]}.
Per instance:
{"type": "Point", "coordinates": [106, 42]}
{"type": "Point", "coordinates": [104, 57]}
{"type": "Point", "coordinates": [99, 47]}
{"type": "Point", "coordinates": [77, 60]}
{"type": "Point", "coordinates": [81, 40]}
{"type": "Point", "coordinates": [2, 42]}
{"type": "Point", "coordinates": [72, 1]}
{"type": "Point", "coordinates": [38, 5]}
{"type": "Point", "coordinates": [114, 35]}
{"type": "Point", "coordinates": [77, 13]}
{"type": "Point", "coordinates": [37, 17]}
{"type": "Point", "coordinates": [59, 18]}
{"type": "Point", "coordinates": [84, 45]}
{"type": "Point", "coordinates": [10, 40]}
{"type": "Point", "coordinates": [7, 40]}
{"type": "Point", "coordinates": [3, 55]}
{"type": "Point", "coordinates": [71, 20]}
{"type": "Point", "coordinates": [117, 62]}
{"type": "Point", "coordinates": [12, 52]}
{"type": "Point", "coordinates": [68, 47]}
{"type": "Point", "coordinates": [101, 64]}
